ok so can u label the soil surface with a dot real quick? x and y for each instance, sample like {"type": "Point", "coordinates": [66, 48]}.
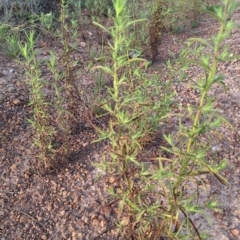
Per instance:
{"type": "Point", "coordinates": [68, 203]}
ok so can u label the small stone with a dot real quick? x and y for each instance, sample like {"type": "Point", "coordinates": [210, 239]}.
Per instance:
{"type": "Point", "coordinates": [83, 44]}
{"type": "Point", "coordinates": [11, 89]}
{"type": "Point", "coordinates": [49, 207]}
{"type": "Point", "coordinates": [76, 235]}
{"type": "Point", "coordinates": [13, 167]}
{"type": "Point", "coordinates": [3, 81]}
{"type": "Point", "coordinates": [125, 221]}
{"type": "Point", "coordinates": [62, 213]}
{"type": "Point", "coordinates": [90, 34]}
{"type": "Point", "coordinates": [23, 219]}
{"type": "Point", "coordinates": [75, 200]}
{"type": "Point", "coordinates": [87, 125]}
{"type": "Point", "coordinates": [111, 179]}
{"type": "Point", "coordinates": [103, 223]}
{"type": "Point", "coordinates": [235, 232]}
{"type": "Point", "coordinates": [19, 83]}
{"type": "Point", "coordinates": [16, 102]}
{"type": "Point", "coordinates": [71, 228]}
{"type": "Point", "coordinates": [64, 193]}
{"type": "Point", "coordinates": [5, 72]}
{"type": "Point", "coordinates": [43, 237]}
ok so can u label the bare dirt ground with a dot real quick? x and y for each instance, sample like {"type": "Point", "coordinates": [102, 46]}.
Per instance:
{"type": "Point", "coordinates": [68, 203]}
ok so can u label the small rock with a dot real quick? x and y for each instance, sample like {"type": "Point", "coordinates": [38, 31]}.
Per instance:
{"type": "Point", "coordinates": [125, 221]}
{"type": "Point", "coordinates": [90, 34]}
{"type": "Point", "coordinates": [3, 81]}
{"type": "Point", "coordinates": [23, 219]}
{"type": "Point", "coordinates": [103, 223]}
{"type": "Point", "coordinates": [75, 200]}
{"type": "Point", "coordinates": [11, 89]}
{"type": "Point", "coordinates": [64, 193]}
{"type": "Point", "coordinates": [16, 102]}
{"type": "Point", "coordinates": [111, 179]}
{"type": "Point", "coordinates": [4, 72]}
{"type": "Point", "coordinates": [87, 125]}
{"type": "Point", "coordinates": [235, 232]}
{"type": "Point", "coordinates": [76, 235]}
{"type": "Point", "coordinates": [49, 207]}
{"type": "Point", "coordinates": [43, 237]}
{"type": "Point", "coordinates": [71, 228]}
{"type": "Point", "coordinates": [62, 213]}
{"type": "Point", "coordinates": [13, 167]}
{"type": "Point", "coordinates": [19, 83]}
{"type": "Point", "coordinates": [83, 44]}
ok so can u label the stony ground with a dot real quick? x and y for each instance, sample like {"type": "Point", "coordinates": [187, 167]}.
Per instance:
{"type": "Point", "coordinates": [68, 203]}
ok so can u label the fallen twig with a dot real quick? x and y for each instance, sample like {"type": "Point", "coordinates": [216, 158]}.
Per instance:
{"type": "Point", "coordinates": [26, 214]}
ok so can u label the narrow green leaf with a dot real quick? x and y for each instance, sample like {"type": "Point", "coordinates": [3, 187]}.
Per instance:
{"type": "Point", "coordinates": [102, 27]}
{"type": "Point", "coordinates": [200, 40]}
{"type": "Point", "coordinates": [105, 69]}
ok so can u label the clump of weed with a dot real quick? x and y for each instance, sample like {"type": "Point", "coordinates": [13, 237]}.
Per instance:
{"type": "Point", "coordinates": [157, 200]}
{"type": "Point", "coordinates": [99, 8]}
{"type": "Point", "coordinates": [9, 40]}
{"type": "Point", "coordinates": [134, 116]}
{"type": "Point", "coordinates": [71, 91]}
{"type": "Point", "coordinates": [44, 132]}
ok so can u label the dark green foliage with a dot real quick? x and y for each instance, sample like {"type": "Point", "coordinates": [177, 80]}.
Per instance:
{"type": "Point", "coordinates": [100, 8]}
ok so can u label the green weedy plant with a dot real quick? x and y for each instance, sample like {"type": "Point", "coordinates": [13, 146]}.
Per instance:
{"type": "Point", "coordinates": [47, 20]}
{"type": "Point", "coordinates": [180, 174]}
{"type": "Point", "coordinates": [158, 200]}
{"type": "Point", "coordinates": [44, 132]}
{"type": "Point", "coordinates": [9, 39]}
{"type": "Point", "coordinates": [62, 115]}
{"type": "Point", "coordinates": [98, 8]}
{"type": "Point", "coordinates": [134, 116]}
{"type": "Point", "coordinates": [64, 91]}
{"type": "Point", "coordinates": [69, 87]}
{"type": "Point", "coordinates": [177, 15]}
{"type": "Point", "coordinates": [10, 46]}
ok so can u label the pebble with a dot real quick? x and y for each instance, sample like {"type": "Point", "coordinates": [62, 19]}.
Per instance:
{"type": "Point", "coordinates": [44, 237]}
{"type": "Point", "coordinates": [16, 102]}
{"type": "Point", "coordinates": [3, 81]}
{"type": "Point", "coordinates": [64, 193]}
{"type": "Point", "coordinates": [83, 44]}
{"type": "Point", "coordinates": [76, 235]}
{"type": "Point", "coordinates": [11, 89]}
{"type": "Point", "coordinates": [87, 125]}
{"type": "Point", "coordinates": [235, 232]}
{"type": "Point", "coordinates": [62, 213]}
